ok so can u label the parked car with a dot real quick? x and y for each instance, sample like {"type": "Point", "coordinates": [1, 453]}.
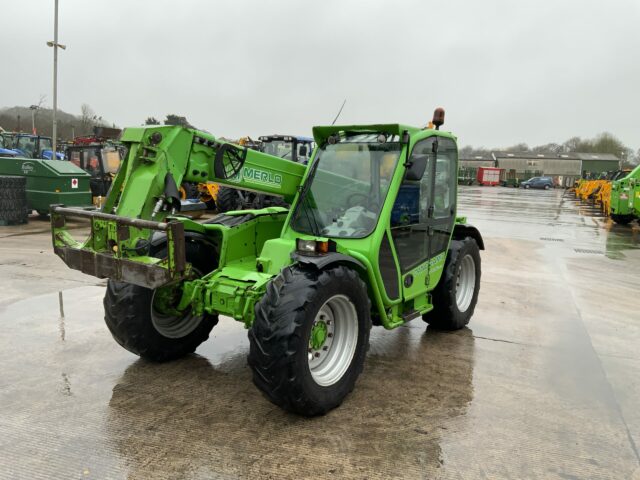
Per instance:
{"type": "Point", "coordinates": [538, 182]}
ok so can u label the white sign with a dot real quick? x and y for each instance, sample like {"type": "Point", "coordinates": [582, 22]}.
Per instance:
{"type": "Point", "coordinates": [74, 183]}
{"type": "Point", "coordinates": [27, 168]}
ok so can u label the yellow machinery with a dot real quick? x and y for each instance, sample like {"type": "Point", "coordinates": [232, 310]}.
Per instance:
{"type": "Point", "coordinates": [598, 191]}
{"type": "Point", "coordinates": [593, 190]}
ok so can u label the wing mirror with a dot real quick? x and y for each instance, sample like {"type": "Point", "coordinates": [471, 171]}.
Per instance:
{"type": "Point", "coordinates": [415, 170]}
{"type": "Point", "coordinates": [302, 151]}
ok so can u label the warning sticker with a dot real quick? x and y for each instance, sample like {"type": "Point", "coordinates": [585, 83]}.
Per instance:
{"type": "Point", "coordinates": [74, 183]}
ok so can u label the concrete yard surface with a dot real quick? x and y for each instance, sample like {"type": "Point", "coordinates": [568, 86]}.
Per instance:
{"type": "Point", "coordinates": [543, 384]}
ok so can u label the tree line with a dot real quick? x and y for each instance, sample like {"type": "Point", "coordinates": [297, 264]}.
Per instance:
{"type": "Point", "coordinates": [604, 142]}
{"type": "Point", "coordinates": [20, 119]}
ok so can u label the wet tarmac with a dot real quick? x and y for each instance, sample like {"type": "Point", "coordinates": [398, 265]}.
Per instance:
{"type": "Point", "coordinates": [545, 382]}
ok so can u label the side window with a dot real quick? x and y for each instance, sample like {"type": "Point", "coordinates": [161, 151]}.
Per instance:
{"type": "Point", "coordinates": [445, 179]}
{"type": "Point", "coordinates": [410, 213]}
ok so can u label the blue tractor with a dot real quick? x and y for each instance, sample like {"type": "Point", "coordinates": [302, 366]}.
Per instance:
{"type": "Point", "coordinates": [26, 145]}
{"type": "Point", "coordinates": [6, 152]}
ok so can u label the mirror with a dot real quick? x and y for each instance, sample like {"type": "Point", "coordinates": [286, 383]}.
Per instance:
{"type": "Point", "coordinates": [302, 151]}
{"type": "Point", "coordinates": [415, 171]}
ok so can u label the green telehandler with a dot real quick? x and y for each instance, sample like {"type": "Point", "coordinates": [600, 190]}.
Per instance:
{"type": "Point", "coordinates": [625, 198]}
{"type": "Point", "coordinates": [371, 237]}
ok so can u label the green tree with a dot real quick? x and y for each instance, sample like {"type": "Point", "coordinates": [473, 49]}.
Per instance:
{"type": "Point", "coordinates": [173, 119]}
{"type": "Point", "coordinates": [151, 121]}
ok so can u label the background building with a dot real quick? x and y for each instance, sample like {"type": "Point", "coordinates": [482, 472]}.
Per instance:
{"type": "Point", "coordinates": [564, 168]}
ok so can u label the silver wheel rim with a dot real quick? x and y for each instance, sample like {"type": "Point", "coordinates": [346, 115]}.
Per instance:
{"type": "Point", "coordinates": [329, 363]}
{"type": "Point", "coordinates": [175, 327]}
{"type": "Point", "coordinates": [465, 282]}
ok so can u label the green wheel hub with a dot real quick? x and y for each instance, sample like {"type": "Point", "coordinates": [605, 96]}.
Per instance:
{"type": "Point", "coordinates": [318, 335]}
{"type": "Point", "coordinates": [166, 298]}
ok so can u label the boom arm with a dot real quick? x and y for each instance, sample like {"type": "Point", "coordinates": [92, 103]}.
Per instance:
{"type": "Point", "coordinates": [160, 158]}
{"type": "Point", "coordinates": [144, 195]}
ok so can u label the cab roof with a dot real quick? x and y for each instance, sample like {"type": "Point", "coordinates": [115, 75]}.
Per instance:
{"type": "Point", "coordinates": [321, 133]}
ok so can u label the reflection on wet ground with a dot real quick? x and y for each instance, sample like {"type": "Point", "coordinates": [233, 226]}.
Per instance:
{"type": "Point", "coordinates": [544, 383]}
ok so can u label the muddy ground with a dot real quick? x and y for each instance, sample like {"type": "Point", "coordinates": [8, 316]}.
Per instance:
{"type": "Point", "coordinates": [545, 382]}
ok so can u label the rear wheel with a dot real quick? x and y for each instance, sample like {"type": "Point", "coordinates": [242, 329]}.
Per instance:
{"type": "Point", "coordinates": [455, 297]}
{"type": "Point", "coordinates": [621, 219]}
{"type": "Point", "coordinates": [546, 187]}
{"type": "Point", "coordinates": [309, 338]}
{"type": "Point", "coordinates": [145, 322]}
{"type": "Point", "coordinates": [228, 199]}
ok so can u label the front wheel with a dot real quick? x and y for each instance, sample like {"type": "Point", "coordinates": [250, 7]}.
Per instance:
{"type": "Point", "coordinates": [526, 187]}
{"type": "Point", "coordinates": [144, 321]}
{"type": "Point", "coordinates": [309, 338]}
{"type": "Point", "coordinates": [455, 297]}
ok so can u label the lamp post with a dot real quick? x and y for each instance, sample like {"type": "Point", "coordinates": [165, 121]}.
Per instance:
{"type": "Point", "coordinates": [33, 109]}
{"type": "Point", "coordinates": [55, 46]}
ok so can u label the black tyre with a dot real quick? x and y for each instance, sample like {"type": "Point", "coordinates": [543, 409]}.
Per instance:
{"type": "Point", "coordinates": [189, 190]}
{"type": "Point", "coordinates": [455, 297]}
{"type": "Point", "coordinates": [132, 314]}
{"type": "Point", "coordinates": [309, 338]}
{"type": "Point", "coordinates": [228, 199]}
{"type": "Point", "coordinates": [621, 219]}
{"type": "Point", "coordinates": [13, 200]}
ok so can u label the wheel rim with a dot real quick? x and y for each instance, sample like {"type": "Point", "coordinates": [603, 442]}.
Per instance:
{"type": "Point", "coordinates": [333, 340]}
{"type": "Point", "coordinates": [465, 283]}
{"type": "Point", "coordinates": [167, 321]}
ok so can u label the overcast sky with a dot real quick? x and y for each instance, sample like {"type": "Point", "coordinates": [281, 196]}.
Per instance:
{"type": "Point", "coordinates": [506, 71]}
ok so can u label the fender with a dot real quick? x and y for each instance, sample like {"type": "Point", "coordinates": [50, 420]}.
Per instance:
{"type": "Point", "coordinates": [320, 262]}
{"type": "Point", "coordinates": [462, 230]}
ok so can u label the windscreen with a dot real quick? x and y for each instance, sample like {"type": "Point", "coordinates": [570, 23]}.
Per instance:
{"type": "Point", "coordinates": [279, 148]}
{"type": "Point", "coordinates": [347, 186]}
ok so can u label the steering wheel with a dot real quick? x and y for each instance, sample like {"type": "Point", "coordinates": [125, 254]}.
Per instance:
{"type": "Point", "coordinates": [367, 201]}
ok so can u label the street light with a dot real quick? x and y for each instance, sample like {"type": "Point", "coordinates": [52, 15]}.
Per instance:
{"type": "Point", "coordinates": [33, 109]}
{"type": "Point", "coordinates": [55, 45]}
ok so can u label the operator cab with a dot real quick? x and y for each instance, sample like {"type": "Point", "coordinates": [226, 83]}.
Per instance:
{"type": "Point", "coordinates": [359, 177]}
{"type": "Point", "coordinates": [295, 148]}
{"type": "Point", "coordinates": [99, 160]}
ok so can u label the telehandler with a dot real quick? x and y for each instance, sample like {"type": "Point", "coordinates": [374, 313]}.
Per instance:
{"type": "Point", "coordinates": [625, 198]}
{"type": "Point", "coordinates": [371, 237]}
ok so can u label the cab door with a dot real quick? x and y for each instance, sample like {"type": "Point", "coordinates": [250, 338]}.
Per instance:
{"type": "Point", "coordinates": [443, 195]}
{"type": "Point", "coordinates": [423, 216]}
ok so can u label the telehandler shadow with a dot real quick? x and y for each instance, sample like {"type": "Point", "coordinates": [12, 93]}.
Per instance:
{"type": "Point", "coordinates": [191, 419]}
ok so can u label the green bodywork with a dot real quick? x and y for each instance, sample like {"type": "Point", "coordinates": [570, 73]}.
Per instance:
{"type": "Point", "coordinates": [250, 252]}
{"type": "Point", "coordinates": [50, 182]}
{"type": "Point", "coordinates": [625, 195]}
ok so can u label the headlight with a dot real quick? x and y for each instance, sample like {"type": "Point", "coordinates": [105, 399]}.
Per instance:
{"type": "Point", "coordinates": [311, 247]}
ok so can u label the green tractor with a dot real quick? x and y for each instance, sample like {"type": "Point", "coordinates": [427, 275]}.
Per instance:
{"type": "Point", "coordinates": [371, 237]}
{"type": "Point", "coordinates": [625, 198]}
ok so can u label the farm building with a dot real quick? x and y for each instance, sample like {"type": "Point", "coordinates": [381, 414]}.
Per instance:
{"type": "Point", "coordinates": [565, 168]}
{"type": "Point", "coordinates": [476, 161]}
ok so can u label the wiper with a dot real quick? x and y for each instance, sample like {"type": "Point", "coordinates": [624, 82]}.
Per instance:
{"type": "Point", "coordinates": [315, 228]}
{"type": "Point", "coordinates": [310, 213]}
